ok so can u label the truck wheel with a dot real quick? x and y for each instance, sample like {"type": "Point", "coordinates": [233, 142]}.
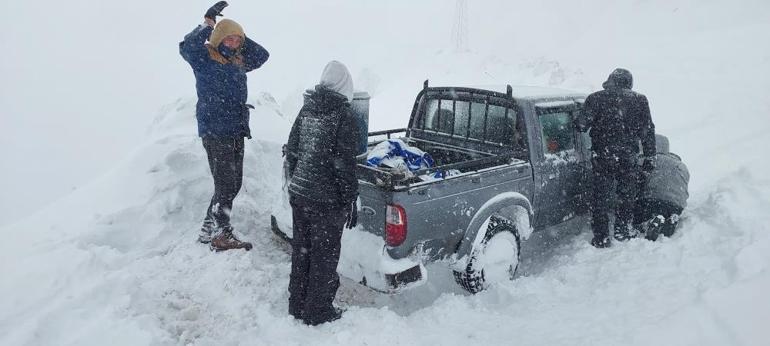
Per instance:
{"type": "Point", "coordinates": [495, 260]}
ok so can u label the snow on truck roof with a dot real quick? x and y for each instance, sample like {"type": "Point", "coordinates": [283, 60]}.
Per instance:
{"type": "Point", "coordinates": [532, 92]}
{"type": "Point", "coordinates": [529, 92]}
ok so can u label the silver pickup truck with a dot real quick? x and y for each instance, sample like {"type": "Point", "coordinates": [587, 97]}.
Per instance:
{"type": "Point", "coordinates": [507, 163]}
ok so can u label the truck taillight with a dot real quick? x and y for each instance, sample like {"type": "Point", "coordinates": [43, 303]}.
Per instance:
{"type": "Point", "coordinates": [395, 225]}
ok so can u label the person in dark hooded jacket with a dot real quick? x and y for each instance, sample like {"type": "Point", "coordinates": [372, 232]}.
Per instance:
{"type": "Point", "coordinates": [220, 68]}
{"type": "Point", "coordinates": [618, 119]}
{"type": "Point", "coordinates": [323, 190]}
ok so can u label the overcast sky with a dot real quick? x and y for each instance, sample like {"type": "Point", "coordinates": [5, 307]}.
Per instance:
{"type": "Point", "coordinates": [82, 80]}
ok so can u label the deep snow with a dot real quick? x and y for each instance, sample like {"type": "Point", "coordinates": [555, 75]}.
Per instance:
{"type": "Point", "coordinates": [116, 260]}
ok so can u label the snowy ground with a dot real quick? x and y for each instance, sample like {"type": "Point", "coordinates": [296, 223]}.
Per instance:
{"type": "Point", "coordinates": [116, 261]}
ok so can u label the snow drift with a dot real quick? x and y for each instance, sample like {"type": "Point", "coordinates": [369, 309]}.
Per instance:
{"type": "Point", "coordinates": [116, 261]}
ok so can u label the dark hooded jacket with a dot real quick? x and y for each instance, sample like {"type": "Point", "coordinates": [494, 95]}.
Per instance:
{"type": "Point", "coordinates": [221, 83]}
{"type": "Point", "coordinates": [322, 151]}
{"type": "Point", "coordinates": [619, 118]}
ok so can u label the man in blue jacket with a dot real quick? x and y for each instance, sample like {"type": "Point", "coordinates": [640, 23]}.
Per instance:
{"type": "Point", "coordinates": [220, 68]}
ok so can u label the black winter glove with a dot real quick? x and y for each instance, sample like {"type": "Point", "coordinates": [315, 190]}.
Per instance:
{"type": "Point", "coordinates": [215, 10]}
{"type": "Point", "coordinates": [648, 165]}
{"type": "Point", "coordinates": [352, 216]}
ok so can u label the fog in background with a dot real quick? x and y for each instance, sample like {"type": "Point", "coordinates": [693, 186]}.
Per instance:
{"type": "Point", "coordinates": [82, 80]}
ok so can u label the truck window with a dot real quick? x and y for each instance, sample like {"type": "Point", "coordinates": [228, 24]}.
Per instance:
{"type": "Point", "coordinates": [474, 120]}
{"type": "Point", "coordinates": [439, 116]}
{"type": "Point", "coordinates": [558, 135]}
{"type": "Point", "coordinates": [476, 126]}
{"type": "Point", "coordinates": [462, 113]}
{"type": "Point", "coordinates": [500, 125]}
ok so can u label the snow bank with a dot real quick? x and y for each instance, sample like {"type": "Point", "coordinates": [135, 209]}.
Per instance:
{"type": "Point", "coordinates": [95, 267]}
{"type": "Point", "coordinates": [116, 261]}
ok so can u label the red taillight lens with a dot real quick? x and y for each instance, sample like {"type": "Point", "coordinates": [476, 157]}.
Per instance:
{"type": "Point", "coordinates": [395, 225]}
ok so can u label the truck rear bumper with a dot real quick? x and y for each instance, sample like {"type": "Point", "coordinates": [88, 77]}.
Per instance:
{"type": "Point", "coordinates": [364, 259]}
{"type": "Point", "coordinates": [369, 264]}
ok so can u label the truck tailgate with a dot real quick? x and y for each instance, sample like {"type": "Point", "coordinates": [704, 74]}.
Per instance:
{"type": "Point", "coordinates": [374, 202]}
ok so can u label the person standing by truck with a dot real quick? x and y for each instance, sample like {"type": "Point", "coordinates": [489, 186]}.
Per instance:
{"type": "Point", "coordinates": [618, 119]}
{"type": "Point", "coordinates": [220, 68]}
{"type": "Point", "coordinates": [323, 190]}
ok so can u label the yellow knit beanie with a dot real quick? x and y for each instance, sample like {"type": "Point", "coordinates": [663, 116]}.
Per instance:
{"type": "Point", "coordinates": [224, 28]}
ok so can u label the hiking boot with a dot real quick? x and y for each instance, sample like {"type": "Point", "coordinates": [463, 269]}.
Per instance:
{"type": "Point", "coordinates": [226, 240]}
{"type": "Point", "coordinates": [600, 242]}
{"type": "Point", "coordinates": [654, 227]}
{"type": "Point", "coordinates": [208, 228]}
{"type": "Point", "coordinates": [669, 226]}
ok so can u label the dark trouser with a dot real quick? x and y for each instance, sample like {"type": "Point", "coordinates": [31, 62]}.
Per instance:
{"type": "Point", "coordinates": [316, 245]}
{"type": "Point", "coordinates": [226, 164]}
{"type": "Point", "coordinates": [609, 170]}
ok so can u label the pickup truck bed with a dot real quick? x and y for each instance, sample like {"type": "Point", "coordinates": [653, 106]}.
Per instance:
{"type": "Point", "coordinates": [446, 157]}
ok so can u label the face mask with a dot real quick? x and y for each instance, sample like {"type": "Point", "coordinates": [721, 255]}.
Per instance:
{"type": "Point", "coordinates": [226, 52]}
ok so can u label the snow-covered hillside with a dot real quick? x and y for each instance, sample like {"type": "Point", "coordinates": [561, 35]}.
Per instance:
{"type": "Point", "coordinates": [116, 262]}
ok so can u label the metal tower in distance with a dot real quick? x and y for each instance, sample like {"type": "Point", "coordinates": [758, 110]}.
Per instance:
{"type": "Point", "coordinates": [460, 27]}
